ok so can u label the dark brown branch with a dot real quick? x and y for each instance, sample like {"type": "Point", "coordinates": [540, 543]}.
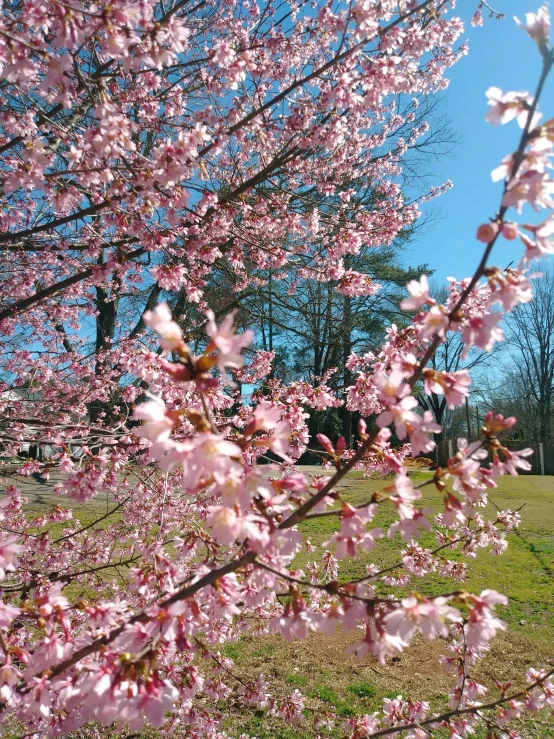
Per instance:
{"type": "Point", "coordinates": [11, 236]}
{"type": "Point", "coordinates": [150, 303]}
{"type": "Point", "coordinates": [22, 305]}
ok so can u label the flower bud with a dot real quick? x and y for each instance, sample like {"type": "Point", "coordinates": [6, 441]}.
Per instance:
{"type": "Point", "coordinates": [509, 231]}
{"type": "Point", "coordinates": [325, 443]}
{"type": "Point", "coordinates": [487, 232]}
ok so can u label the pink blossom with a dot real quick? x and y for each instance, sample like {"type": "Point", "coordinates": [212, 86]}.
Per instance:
{"type": "Point", "coordinates": [426, 616]}
{"type": "Point", "coordinates": [286, 541]}
{"type": "Point", "coordinates": [157, 424]}
{"type": "Point", "coordinates": [510, 288]}
{"type": "Point", "coordinates": [405, 494]}
{"type": "Point", "coordinates": [400, 414]}
{"type": "Point", "coordinates": [348, 544]}
{"type": "Point", "coordinates": [453, 385]}
{"type": "Point", "coordinates": [259, 367]}
{"type": "Point", "coordinates": [495, 422]}
{"type": "Point", "coordinates": [209, 454]}
{"type": "Point", "coordinates": [532, 187]}
{"type": "Point", "coordinates": [418, 561]}
{"type": "Point", "coordinates": [420, 430]}
{"type": "Point", "coordinates": [482, 624]}
{"type": "Point", "coordinates": [510, 519]}
{"type": "Point", "coordinates": [396, 579]}
{"type": "Point", "coordinates": [377, 641]}
{"type": "Point", "coordinates": [226, 342]}
{"type": "Point", "coordinates": [410, 524]}
{"type": "Point", "coordinates": [433, 322]}
{"type": "Point", "coordinates": [154, 699]}
{"type": "Point", "coordinates": [228, 526]}
{"type": "Point", "coordinates": [169, 277]}
{"type": "Point", "coordinates": [419, 294]}
{"type": "Point", "coordinates": [223, 54]}
{"type": "Point", "coordinates": [542, 242]}
{"type": "Point", "coordinates": [548, 688]}
{"type": "Point", "coordinates": [483, 331]}
{"type": "Point", "coordinates": [509, 230]}
{"type": "Point", "coordinates": [9, 549]}
{"type": "Point", "coordinates": [159, 320]}
{"type": "Point", "coordinates": [52, 601]}
{"type": "Point", "coordinates": [505, 107]}
{"type": "Point", "coordinates": [266, 416]}
{"type": "Point", "coordinates": [537, 26]}
{"type": "Point", "coordinates": [365, 725]}
{"type": "Point", "coordinates": [225, 525]}
{"type": "Point", "coordinates": [455, 512]}
{"type": "Point", "coordinates": [30, 468]}
{"type": "Point", "coordinates": [7, 614]}
{"type": "Point", "coordinates": [511, 710]}
{"type": "Point", "coordinates": [38, 701]}
{"type": "Point", "coordinates": [355, 284]}
{"type": "Point", "coordinates": [279, 440]}
{"type": "Point", "coordinates": [295, 622]}
{"type": "Point", "coordinates": [326, 443]}
{"type": "Point", "coordinates": [477, 18]}
{"type": "Point", "coordinates": [230, 170]}
{"type": "Point", "coordinates": [257, 694]}
{"type": "Point", "coordinates": [512, 462]}
{"type": "Point", "coordinates": [291, 709]}
{"type": "Point", "coordinates": [9, 677]}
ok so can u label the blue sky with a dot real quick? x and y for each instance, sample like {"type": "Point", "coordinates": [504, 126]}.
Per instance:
{"type": "Point", "coordinates": [501, 55]}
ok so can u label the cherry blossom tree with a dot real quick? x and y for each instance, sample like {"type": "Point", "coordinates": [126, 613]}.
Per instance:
{"type": "Point", "coordinates": [530, 334]}
{"type": "Point", "coordinates": [146, 145]}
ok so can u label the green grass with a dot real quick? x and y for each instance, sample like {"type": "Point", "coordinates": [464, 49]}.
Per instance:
{"type": "Point", "coordinates": [232, 650]}
{"type": "Point", "coordinates": [363, 690]}
{"type": "Point", "coordinates": [525, 573]}
{"type": "Point", "coordinates": [541, 547]}
{"type": "Point", "coordinates": [325, 694]}
{"type": "Point", "coordinates": [260, 728]}
{"type": "Point", "coordinates": [265, 650]}
{"type": "Point", "coordinates": [340, 706]}
{"type": "Point", "coordinates": [297, 680]}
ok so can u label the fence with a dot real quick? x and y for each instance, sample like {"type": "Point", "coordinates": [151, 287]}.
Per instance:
{"type": "Point", "coordinates": [542, 460]}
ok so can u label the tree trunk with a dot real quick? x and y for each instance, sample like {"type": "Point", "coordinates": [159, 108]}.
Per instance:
{"type": "Point", "coordinates": [439, 406]}
{"type": "Point", "coordinates": [106, 312]}
{"type": "Point", "coordinates": [346, 352]}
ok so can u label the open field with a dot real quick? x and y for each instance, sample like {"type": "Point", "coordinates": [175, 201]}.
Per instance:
{"type": "Point", "coordinates": [331, 680]}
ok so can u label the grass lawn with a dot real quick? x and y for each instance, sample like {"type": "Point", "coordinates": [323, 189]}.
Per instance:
{"type": "Point", "coordinates": [330, 679]}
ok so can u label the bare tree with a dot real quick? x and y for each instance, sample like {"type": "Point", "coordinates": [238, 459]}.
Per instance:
{"type": "Point", "coordinates": [530, 338]}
